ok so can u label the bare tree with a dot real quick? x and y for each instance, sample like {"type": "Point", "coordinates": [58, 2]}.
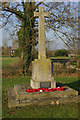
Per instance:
{"type": "Point", "coordinates": [62, 16]}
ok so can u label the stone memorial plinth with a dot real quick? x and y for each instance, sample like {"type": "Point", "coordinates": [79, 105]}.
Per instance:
{"type": "Point", "coordinates": [41, 78]}
{"type": "Point", "coordinates": [41, 74]}
{"type": "Point", "coordinates": [41, 67]}
{"type": "Point", "coordinates": [17, 96]}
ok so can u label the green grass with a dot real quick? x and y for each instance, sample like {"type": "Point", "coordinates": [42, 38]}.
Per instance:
{"type": "Point", "coordinates": [11, 66]}
{"type": "Point", "coordinates": [43, 111]}
{"type": "Point", "coordinates": [8, 60]}
{"type": "Point", "coordinates": [66, 80]}
{"type": "Point", "coordinates": [72, 82]}
{"type": "Point", "coordinates": [60, 57]}
{"type": "Point", "coordinates": [11, 81]}
{"type": "Point", "coordinates": [69, 110]}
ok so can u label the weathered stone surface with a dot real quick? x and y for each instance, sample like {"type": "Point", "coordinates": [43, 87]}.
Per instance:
{"type": "Point", "coordinates": [22, 98]}
{"type": "Point", "coordinates": [41, 14]}
{"type": "Point", "coordinates": [41, 67]}
{"type": "Point", "coordinates": [48, 101]}
{"type": "Point", "coordinates": [12, 99]}
{"type": "Point", "coordinates": [22, 94]}
{"type": "Point", "coordinates": [41, 72]}
{"type": "Point", "coordinates": [20, 90]}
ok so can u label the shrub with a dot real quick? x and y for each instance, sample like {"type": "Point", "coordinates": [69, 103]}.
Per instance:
{"type": "Point", "coordinates": [58, 69]}
{"type": "Point", "coordinates": [49, 53]}
{"type": "Point", "coordinates": [61, 52]}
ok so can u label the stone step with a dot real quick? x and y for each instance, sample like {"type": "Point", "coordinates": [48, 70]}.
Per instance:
{"type": "Point", "coordinates": [22, 98]}
{"type": "Point", "coordinates": [12, 98]}
{"type": "Point", "coordinates": [21, 93]}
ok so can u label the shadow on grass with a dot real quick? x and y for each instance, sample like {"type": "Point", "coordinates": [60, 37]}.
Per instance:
{"type": "Point", "coordinates": [74, 85]}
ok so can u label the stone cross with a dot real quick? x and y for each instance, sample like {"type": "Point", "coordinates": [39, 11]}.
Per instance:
{"type": "Point", "coordinates": [41, 14]}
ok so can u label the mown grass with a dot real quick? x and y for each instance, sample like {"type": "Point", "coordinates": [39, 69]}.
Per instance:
{"type": "Point", "coordinates": [11, 66]}
{"type": "Point", "coordinates": [69, 110]}
{"type": "Point", "coordinates": [60, 57]}
{"type": "Point", "coordinates": [72, 82]}
{"type": "Point", "coordinates": [6, 61]}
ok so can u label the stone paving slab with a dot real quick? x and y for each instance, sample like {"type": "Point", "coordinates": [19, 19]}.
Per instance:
{"type": "Point", "coordinates": [69, 95]}
{"type": "Point", "coordinates": [12, 99]}
{"type": "Point", "coordinates": [14, 102]}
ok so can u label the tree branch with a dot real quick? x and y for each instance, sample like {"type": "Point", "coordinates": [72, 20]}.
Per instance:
{"type": "Point", "coordinates": [6, 20]}
{"type": "Point", "coordinates": [61, 38]}
{"type": "Point", "coordinates": [14, 12]}
{"type": "Point", "coordinates": [37, 5]}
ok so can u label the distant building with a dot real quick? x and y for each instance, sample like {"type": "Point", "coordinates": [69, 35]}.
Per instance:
{"type": "Point", "coordinates": [14, 47]}
{"type": "Point", "coordinates": [12, 53]}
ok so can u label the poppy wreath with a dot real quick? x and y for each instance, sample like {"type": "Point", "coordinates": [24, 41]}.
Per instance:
{"type": "Point", "coordinates": [45, 90]}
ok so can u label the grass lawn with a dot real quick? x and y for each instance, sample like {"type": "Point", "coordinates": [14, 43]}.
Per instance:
{"type": "Point", "coordinates": [8, 60]}
{"type": "Point", "coordinates": [11, 66]}
{"type": "Point", "coordinates": [69, 110]}
{"type": "Point", "coordinates": [60, 57]}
